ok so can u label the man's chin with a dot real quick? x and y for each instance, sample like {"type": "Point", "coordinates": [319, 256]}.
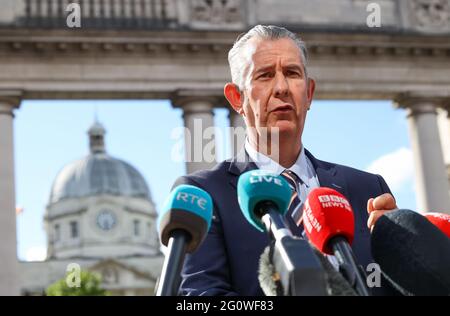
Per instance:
{"type": "Point", "coordinates": [284, 127]}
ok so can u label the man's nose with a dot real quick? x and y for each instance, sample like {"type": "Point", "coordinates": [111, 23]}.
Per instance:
{"type": "Point", "coordinates": [281, 88]}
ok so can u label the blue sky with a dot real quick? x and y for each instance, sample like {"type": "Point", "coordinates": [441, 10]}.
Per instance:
{"type": "Point", "coordinates": [368, 135]}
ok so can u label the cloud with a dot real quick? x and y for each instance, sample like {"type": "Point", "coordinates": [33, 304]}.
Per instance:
{"type": "Point", "coordinates": [397, 168]}
{"type": "Point", "coordinates": [38, 253]}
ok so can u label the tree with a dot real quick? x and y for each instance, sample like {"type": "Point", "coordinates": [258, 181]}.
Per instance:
{"type": "Point", "coordinates": [88, 284]}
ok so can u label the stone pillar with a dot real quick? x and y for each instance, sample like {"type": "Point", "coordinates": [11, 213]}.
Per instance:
{"type": "Point", "coordinates": [237, 132]}
{"type": "Point", "coordinates": [448, 142]}
{"type": "Point", "coordinates": [445, 138]}
{"type": "Point", "coordinates": [9, 275]}
{"type": "Point", "coordinates": [431, 176]}
{"type": "Point", "coordinates": [198, 116]}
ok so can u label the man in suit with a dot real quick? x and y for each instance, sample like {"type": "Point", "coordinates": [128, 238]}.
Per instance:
{"type": "Point", "coordinates": [271, 89]}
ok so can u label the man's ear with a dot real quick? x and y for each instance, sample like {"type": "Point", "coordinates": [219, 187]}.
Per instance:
{"type": "Point", "coordinates": [311, 88]}
{"type": "Point", "coordinates": [234, 97]}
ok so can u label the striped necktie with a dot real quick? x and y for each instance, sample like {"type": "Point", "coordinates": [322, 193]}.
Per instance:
{"type": "Point", "coordinates": [294, 214]}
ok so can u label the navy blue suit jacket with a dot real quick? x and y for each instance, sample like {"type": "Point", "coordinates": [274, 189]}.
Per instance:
{"type": "Point", "coordinates": [226, 263]}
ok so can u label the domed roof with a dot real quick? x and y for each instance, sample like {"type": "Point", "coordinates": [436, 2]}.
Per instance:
{"type": "Point", "coordinates": [98, 173]}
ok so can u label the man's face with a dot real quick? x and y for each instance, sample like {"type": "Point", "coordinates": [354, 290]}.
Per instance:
{"type": "Point", "coordinates": [277, 93]}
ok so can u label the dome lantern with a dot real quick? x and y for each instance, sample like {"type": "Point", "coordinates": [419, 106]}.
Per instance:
{"type": "Point", "coordinates": [97, 138]}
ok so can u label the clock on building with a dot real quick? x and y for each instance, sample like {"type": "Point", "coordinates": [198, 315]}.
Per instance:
{"type": "Point", "coordinates": [106, 220]}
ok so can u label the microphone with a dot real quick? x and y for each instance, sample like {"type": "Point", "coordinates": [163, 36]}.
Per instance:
{"type": "Point", "coordinates": [329, 225]}
{"type": "Point", "coordinates": [182, 226]}
{"type": "Point", "coordinates": [441, 221]}
{"type": "Point", "coordinates": [264, 198]}
{"type": "Point", "coordinates": [271, 286]}
{"type": "Point", "coordinates": [413, 254]}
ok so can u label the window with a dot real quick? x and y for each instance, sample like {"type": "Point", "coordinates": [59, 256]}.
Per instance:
{"type": "Point", "coordinates": [56, 232]}
{"type": "Point", "coordinates": [136, 224]}
{"type": "Point", "coordinates": [73, 229]}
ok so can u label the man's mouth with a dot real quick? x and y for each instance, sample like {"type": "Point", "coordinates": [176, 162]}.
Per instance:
{"type": "Point", "coordinates": [283, 108]}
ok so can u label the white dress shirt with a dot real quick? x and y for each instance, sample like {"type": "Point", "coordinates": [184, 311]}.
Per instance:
{"type": "Point", "coordinates": [302, 167]}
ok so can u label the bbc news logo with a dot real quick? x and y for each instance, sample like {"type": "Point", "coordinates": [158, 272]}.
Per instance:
{"type": "Point", "coordinates": [329, 200]}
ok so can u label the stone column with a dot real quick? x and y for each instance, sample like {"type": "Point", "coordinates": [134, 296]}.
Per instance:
{"type": "Point", "coordinates": [431, 176]}
{"type": "Point", "coordinates": [445, 138]}
{"type": "Point", "coordinates": [237, 132]}
{"type": "Point", "coordinates": [448, 142]}
{"type": "Point", "coordinates": [199, 136]}
{"type": "Point", "coordinates": [9, 275]}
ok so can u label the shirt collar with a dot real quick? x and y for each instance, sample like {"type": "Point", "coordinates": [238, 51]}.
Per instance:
{"type": "Point", "coordinates": [300, 166]}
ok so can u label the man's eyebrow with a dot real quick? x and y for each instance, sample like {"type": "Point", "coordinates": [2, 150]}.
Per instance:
{"type": "Point", "coordinates": [263, 68]}
{"type": "Point", "coordinates": [294, 66]}
{"type": "Point", "coordinates": [270, 67]}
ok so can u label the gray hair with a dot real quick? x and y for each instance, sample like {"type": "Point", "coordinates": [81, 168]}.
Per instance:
{"type": "Point", "coordinates": [269, 32]}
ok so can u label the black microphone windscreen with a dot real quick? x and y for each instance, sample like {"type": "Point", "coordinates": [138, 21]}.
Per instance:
{"type": "Point", "coordinates": [412, 253]}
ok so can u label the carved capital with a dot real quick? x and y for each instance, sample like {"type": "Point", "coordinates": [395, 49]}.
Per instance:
{"type": "Point", "coordinates": [197, 100]}
{"type": "Point", "coordinates": [420, 103]}
{"type": "Point", "coordinates": [9, 100]}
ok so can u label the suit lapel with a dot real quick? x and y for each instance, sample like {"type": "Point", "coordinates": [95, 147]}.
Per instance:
{"type": "Point", "coordinates": [241, 163]}
{"type": "Point", "coordinates": [328, 175]}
